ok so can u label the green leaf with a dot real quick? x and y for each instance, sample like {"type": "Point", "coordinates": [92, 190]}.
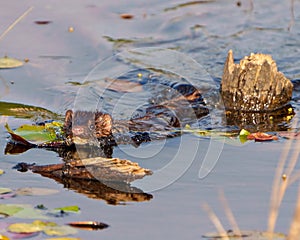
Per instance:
{"type": "Point", "coordinates": [69, 209]}
{"type": "Point", "coordinates": [36, 134]}
{"type": "Point", "coordinates": [10, 209]}
{"type": "Point", "coordinates": [7, 62]}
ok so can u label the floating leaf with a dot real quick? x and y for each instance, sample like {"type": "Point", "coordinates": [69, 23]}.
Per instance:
{"type": "Point", "coordinates": [126, 16]}
{"type": "Point", "coordinates": [33, 135]}
{"type": "Point", "coordinates": [10, 209]}
{"type": "Point", "coordinates": [24, 228]}
{"type": "Point", "coordinates": [261, 137]}
{"type": "Point", "coordinates": [7, 195]}
{"type": "Point", "coordinates": [29, 212]}
{"type": "Point", "coordinates": [49, 228]}
{"type": "Point", "coordinates": [89, 225]}
{"type": "Point", "coordinates": [5, 190]}
{"type": "Point", "coordinates": [18, 139]}
{"type": "Point", "coordinates": [69, 209]}
{"type": "Point", "coordinates": [42, 22]}
{"type": "Point", "coordinates": [7, 62]}
{"type": "Point", "coordinates": [29, 191]}
{"type": "Point", "coordinates": [63, 238]}
{"type": "Point", "coordinates": [243, 135]}
{"type": "Point", "coordinates": [59, 230]}
{"type": "Point", "coordinates": [1, 171]}
{"type": "Point", "coordinates": [2, 237]}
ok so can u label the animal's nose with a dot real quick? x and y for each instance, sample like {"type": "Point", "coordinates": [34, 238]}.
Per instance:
{"type": "Point", "coordinates": [77, 130]}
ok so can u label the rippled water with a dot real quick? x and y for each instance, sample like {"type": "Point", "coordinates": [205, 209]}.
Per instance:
{"type": "Point", "coordinates": [192, 40]}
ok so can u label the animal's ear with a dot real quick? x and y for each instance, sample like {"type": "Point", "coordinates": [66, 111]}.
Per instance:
{"type": "Point", "coordinates": [68, 118]}
{"type": "Point", "coordinates": [103, 123]}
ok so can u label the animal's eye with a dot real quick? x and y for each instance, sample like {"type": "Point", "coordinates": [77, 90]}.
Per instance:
{"type": "Point", "coordinates": [92, 127]}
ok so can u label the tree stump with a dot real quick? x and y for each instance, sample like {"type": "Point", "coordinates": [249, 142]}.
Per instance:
{"type": "Point", "coordinates": [254, 85]}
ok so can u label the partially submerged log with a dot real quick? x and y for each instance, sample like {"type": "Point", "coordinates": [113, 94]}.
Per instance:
{"type": "Point", "coordinates": [254, 85]}
{"type": "Point", "coordinates": [98, 168]}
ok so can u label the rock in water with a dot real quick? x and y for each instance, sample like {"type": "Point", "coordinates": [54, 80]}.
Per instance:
{"type": "Point", "coordinates": [254, 85]}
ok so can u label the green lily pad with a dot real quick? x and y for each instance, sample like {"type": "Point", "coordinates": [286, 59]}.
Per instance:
{"type": "Point", "coordinates": [10, 209]}
{"type": "Point", "coordinates": [7, 62]}
{"type": "Point", "coordinates": [21, 211]}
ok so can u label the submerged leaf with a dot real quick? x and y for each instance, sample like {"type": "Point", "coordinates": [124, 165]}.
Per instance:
{"type": "Point", "coordinates": [290, 135]}
{"type": "Point", "coordinates": [7, 62]}
{"type": "Point", "coordinates": [29, 191]}
{"type": "Point", "coordinates": [245, 235]}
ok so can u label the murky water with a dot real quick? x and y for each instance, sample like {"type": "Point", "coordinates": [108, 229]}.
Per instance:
{"type": "Point", "coordinates": [64, 71]}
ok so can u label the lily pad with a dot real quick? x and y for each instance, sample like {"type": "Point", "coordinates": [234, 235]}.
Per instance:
{"type": "Point", "coordinates": [24, 228]}
{"type": "Point", "coordinates": [2, 237]}
{"type": "Point", "coordinates": [59, 230]}
{"type": "Point", "coordinates": [10, 209]}
{"type": "Point", "coordinates": [7, 62]}
{"type": "Point", "coordinates": [21, 211]}
{"type": "Point", "coordinates": [49, 228]}
{"type": "Point", "coordinates": [5, 190]}
{"type": "Point", "coordinates": [63, 238]}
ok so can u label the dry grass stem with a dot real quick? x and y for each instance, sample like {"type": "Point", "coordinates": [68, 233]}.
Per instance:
{"type": "Point", "coordinates": [16, 22]}
{"type": "Point", "coordinates": [294, 231]}
{"type": "Point", "coordinates": [279, 187]}
{"type": "Point", "coordinates": [216, 221]}
{"type": "Point", "coordinates": [292, 21]}
{"type": "Point", "coordinates": [229, 214]}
